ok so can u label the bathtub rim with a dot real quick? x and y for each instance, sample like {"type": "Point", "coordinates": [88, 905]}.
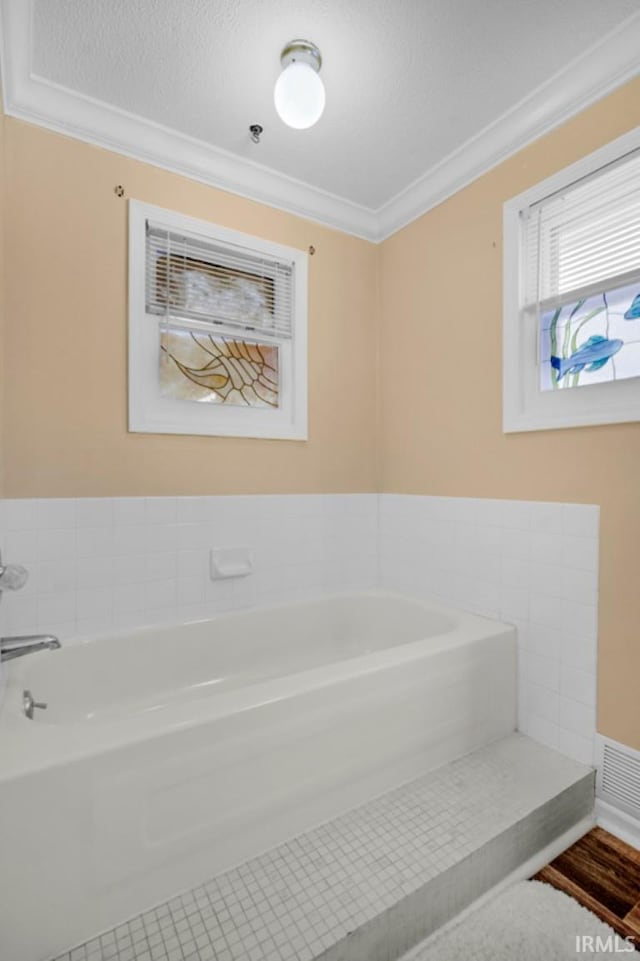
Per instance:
{"type": "Point", "coordinates": [34, 746]}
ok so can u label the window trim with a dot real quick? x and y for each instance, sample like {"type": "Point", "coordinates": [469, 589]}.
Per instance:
{"type": "Point", "coordinates": [149, 412]}
{"type": "Point", "coordinates": [525, 407]}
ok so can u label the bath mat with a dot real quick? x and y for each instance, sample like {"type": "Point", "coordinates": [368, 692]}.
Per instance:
{"type": "Point", "coordinates": [530, 921]}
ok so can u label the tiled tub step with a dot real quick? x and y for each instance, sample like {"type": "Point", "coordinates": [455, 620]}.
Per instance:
{"type": "Point", "coordinates": [373, 882]}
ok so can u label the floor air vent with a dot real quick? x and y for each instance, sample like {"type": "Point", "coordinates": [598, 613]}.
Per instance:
{"type": "Point", "coordinates": [618, 781]}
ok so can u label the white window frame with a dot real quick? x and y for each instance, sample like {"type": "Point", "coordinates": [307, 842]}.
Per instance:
{"type": "Point", "coordinates": [525, 406]}
{"type": "Point", "coordinates": [152, 413]}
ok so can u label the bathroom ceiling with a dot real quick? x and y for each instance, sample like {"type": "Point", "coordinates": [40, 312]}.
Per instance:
{"type": "Point", "coordinates": [409, 83]}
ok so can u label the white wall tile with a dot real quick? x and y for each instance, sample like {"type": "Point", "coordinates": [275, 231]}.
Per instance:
{"type": "Point", "coordinates": [514, 603]}
{"type": "Point", "coordinates": [517, 515]}
{"type": "Point", "coordinates": [91, 572]}
{"type": "Point", "coordinates": [545, 641]}
{"type": "Point", "coordinates": [160, 594]}
{"type": "Point", "coordinates": [580, 620]}
{"type": "Point", "coordinates": [581, 520]}
{"type": "Point", "coordinates": [129, 511]}
{"type": "Point", "coordinates": [92, 542]}
{"type": "Point", "coordinates": [193, 510]}
{"type": "Point", "coordinates": [160, 538]}
{"type": "Point", "coordinates": [192, 563]}
{"type": "Point", "coordinates": [130, 569]}
{"type": "Point", "coordinates": [94, 602]}
{"type": "Point", "coordinates": [577, 684]}
{"type": "Point", "coordinates": [546, 610]}
{"type": "Point", "coordinates": [56, 513]}
{"type": "Point", "coordinates": [547, 579]}
{"type": "Point", "coordinates": [161, 510]}
{"type": "Point", "coordinates": [515, 572]}
{"type": "Point", "coordinates": [576, 746]}
{"type": "Point", "coordinates": [129, 620]}
{"type": "Point", "coordinates": [576, 717]}
{"type": "Point", "coordinates": [128, 597]}
{"type": "Point", "coordinates": [162, 566]}
{"type": "Point", "coordinates": [543, 702]}
{"type": "Point", "coordinates": [579, 552]}
{"type": "Point", "coordinates": [129, 539]}
{"type": "Point", "coordinates": [20, 547]}
{"type": "Point", "coordinates": [543, 547]}
{"type": "Point", "coordinates": [120, 558]}
{"type": "Point", "coordinates": [543, 671]}
{"type": "Point", "coordinates": [192, 537]}
{"type": "Point", "coordinates": [544, 559]}
{"type": "Point", "coordinates": [516, 544]}
{"type": "Point", "coordinates": [20, 614]}
{"type": "Point", "coordinates": [56, 545]}
{"type": "Point", "coordinates": [94, 626]}
{"type": "Point", "coordinates": [57, 607]}
{"type": "Point", "coordinates": [102, 563]}
{"type": "Point", "coordinates": [580, 586]}
{"type": "Point", "coordinates": [94, 512]}
{"type": "Point", "coordinates": [20, 515]}
{"type": "Point", "coordinates": [547, 518]}
{"type": "Point", "coordinates": [489, 513]}
{"type": "Point", "coordinates": [190, 590]}
{"type": "Point", "coordinates": [579, 653]}
{"type": "Point", "coordinates": [542, 730]}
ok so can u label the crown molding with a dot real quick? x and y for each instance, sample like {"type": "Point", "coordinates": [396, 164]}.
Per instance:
{"type": "Point", "coordinates": [39, 101]}
{"type": "Point", "coordinates": [608, 64]}
{"type": "Point", "coordinates": [599, 70]}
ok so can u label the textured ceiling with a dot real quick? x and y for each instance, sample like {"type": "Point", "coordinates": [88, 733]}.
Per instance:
{"type": "Point", "coordinates": [407, 81]}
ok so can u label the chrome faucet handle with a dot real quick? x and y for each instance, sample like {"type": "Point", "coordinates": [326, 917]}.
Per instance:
{"type": "Point", "coordinates": [12, 576]}
{"type": "Point", "coordinates": [29, 705]}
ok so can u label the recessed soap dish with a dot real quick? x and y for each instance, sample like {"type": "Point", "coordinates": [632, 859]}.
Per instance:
{"type": "Point", "coordinates": [230, 562]}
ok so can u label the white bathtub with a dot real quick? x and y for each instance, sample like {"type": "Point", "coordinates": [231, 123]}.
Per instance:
{"type": "Point", "coordinates": [167, 755]}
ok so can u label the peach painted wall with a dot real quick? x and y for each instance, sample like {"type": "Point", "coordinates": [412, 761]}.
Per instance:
{"type": "Point", "coordinates": [66, 339]}
{"type": "Point", "coordinates": [441, 404]}
{"type": "Point", "coordinates": [435, 417]}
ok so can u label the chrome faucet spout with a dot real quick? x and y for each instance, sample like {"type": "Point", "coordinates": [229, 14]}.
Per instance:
{"type": "Point", "coordinates": [12, 647]}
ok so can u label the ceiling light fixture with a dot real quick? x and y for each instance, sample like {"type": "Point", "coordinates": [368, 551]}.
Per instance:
{"type": "Point", "coordinates": [299, 91]}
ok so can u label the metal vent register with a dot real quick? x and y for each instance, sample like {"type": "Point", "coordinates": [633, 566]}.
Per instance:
{"type": "Point", "coordinates": [618, 780]}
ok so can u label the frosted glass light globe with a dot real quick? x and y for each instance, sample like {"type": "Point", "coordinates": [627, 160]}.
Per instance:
{"type": "Point", "coordinates": [299, 95]}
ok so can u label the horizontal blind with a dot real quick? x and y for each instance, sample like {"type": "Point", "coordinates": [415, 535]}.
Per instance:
{"type": "Point", "coordinates": [197, 278]}
{"type": "Point", "coordinates": [585, 238]}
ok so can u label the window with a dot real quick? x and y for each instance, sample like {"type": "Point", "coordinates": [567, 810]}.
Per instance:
{"type": "Point", "coordinates": [572, 295]}
{"type": "Point", "coordinates": [217, 330]}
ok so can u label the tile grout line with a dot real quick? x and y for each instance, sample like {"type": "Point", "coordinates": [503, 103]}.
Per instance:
{"type": "Point", "coordinates": [382, 850]}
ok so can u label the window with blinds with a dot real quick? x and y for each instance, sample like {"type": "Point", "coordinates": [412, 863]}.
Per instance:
{"type": "Point", "coordinates": [571, 325]}
{"type": "Point", "coordinates": [585, 239]}
{"type": "Point", "coordinates": [190, 277]}
{"type": "Point", "coordinates": [582, 277]}
{"type": "Point", "coordinates": [217, 329]}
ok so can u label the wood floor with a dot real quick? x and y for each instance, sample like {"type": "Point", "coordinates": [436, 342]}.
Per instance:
{"type": "Point", "coordinates": [603, 874]}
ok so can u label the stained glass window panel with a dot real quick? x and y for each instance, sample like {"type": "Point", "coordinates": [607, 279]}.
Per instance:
{"type": "Point", "coordinates": [200, 367]}
{"type": "Point", "coordinates": [591, 341]}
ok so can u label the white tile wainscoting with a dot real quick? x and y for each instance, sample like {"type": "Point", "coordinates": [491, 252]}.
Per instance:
{"type": "Point", "coordinates": [102, 563]}
{"type": "Point", "coordinates": [533, 564]}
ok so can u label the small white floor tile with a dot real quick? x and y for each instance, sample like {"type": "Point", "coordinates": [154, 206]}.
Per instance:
{"type": "Point", "coordinates": [306, 895]}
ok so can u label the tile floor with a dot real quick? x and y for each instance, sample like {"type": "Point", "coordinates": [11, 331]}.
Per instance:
{"type": "Point", "coordinates": [303, 897]}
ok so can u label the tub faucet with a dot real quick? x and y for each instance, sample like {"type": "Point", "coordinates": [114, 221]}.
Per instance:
{"type": "Point", "coordinates": [11, 647]}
